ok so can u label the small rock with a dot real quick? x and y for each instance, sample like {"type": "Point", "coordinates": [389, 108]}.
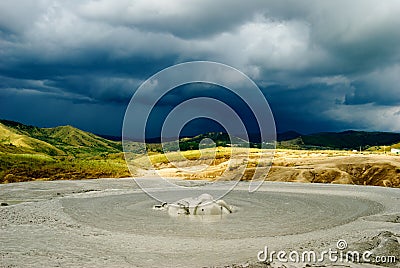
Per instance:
{"type": "Point", "coordinates": [3, 204]}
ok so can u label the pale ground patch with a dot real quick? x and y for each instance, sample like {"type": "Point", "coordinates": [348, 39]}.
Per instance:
{"type": "Point", "coordinates": [111, 223]}
{"type": "Point", "coordinates": [339, 167]}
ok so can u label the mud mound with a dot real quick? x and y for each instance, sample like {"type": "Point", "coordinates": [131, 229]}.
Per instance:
{"type": "Point", "coordinates": [376, 174]}
{"type": "Point", "coordinates": [375, 170]}
{"type": "Point", "coordinates": [379, 174]}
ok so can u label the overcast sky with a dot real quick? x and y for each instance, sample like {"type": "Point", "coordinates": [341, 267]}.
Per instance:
{"type": "Point", "coordinates": [323, 65]}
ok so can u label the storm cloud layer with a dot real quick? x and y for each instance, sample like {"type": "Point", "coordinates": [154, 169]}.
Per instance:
{"type": "Point", "coordinates": [323, 65]}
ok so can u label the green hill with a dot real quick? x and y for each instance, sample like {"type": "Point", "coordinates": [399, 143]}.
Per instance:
{"type": "Point", "coordinates": [13, 141]}
{"type": "Point", "coordinates": [64, 140]}
{"type": "Point", "coordinates": [30, 153]}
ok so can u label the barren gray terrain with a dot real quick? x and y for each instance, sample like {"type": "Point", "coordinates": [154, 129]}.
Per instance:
{"type": "Point", "coordinates": [111, 223]}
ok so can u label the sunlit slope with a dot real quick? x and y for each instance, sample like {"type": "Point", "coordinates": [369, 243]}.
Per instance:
{"type": "Point", "coordinates": [13, 142]}
{"type": "Point", "coordinates": [32, 153]}
{"type": "Point", "coordinates": [63, 140]}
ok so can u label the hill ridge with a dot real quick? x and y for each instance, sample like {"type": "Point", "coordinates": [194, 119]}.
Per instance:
{"type": "Point", "coordinates": [14, 141]}
{"type": "Point", "coordinates": [64, 140]}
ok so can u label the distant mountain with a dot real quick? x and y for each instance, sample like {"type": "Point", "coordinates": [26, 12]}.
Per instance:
{"type": "Point", "coordinates": [351, 139]}
{"type": "Point", "coordinates": [63, 140]}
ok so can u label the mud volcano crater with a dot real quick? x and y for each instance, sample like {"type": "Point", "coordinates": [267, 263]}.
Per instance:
{"type": "Point", "coordinates": [258, 214]}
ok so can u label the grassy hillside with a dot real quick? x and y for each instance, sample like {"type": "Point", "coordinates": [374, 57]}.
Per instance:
{"type": "Point", "coordinates": [31, 153]}
{"type": "Point", "coordinates": [396, 146]}
{"type": "Point", "coordinates": [13, 141]}
{"type": "Point", "coordinates": [26, 167]}
{"type": "Point", "coordinates": [67, 139]}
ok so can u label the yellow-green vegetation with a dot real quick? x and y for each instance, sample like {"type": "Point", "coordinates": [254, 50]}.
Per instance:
{"type": "Point", "coordinates": [26, 167]}
{"type": "Point", "coordinates": [384, 149]}
{"type": "Point", "coordinates": [31, 153]}
{"type": "Point", "coordinates": [154, 159]}
{"type": "Point", "coordinates": [218, 153]}
{"type": "Point", "coordinates": [14, 142]}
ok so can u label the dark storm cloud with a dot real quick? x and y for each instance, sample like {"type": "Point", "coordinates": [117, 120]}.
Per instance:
{"type": "Point", "coordinates": [45, 110]}
{"type": "Point", "coordinates": [324, 65]}
{"type": "Point", "coordinates": [196, 90]}
{"type": "Point", "coordinates": [379, 87]}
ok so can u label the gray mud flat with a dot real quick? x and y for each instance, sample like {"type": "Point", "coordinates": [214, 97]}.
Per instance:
{"type": "Point", "coordinates": [111, 223]}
